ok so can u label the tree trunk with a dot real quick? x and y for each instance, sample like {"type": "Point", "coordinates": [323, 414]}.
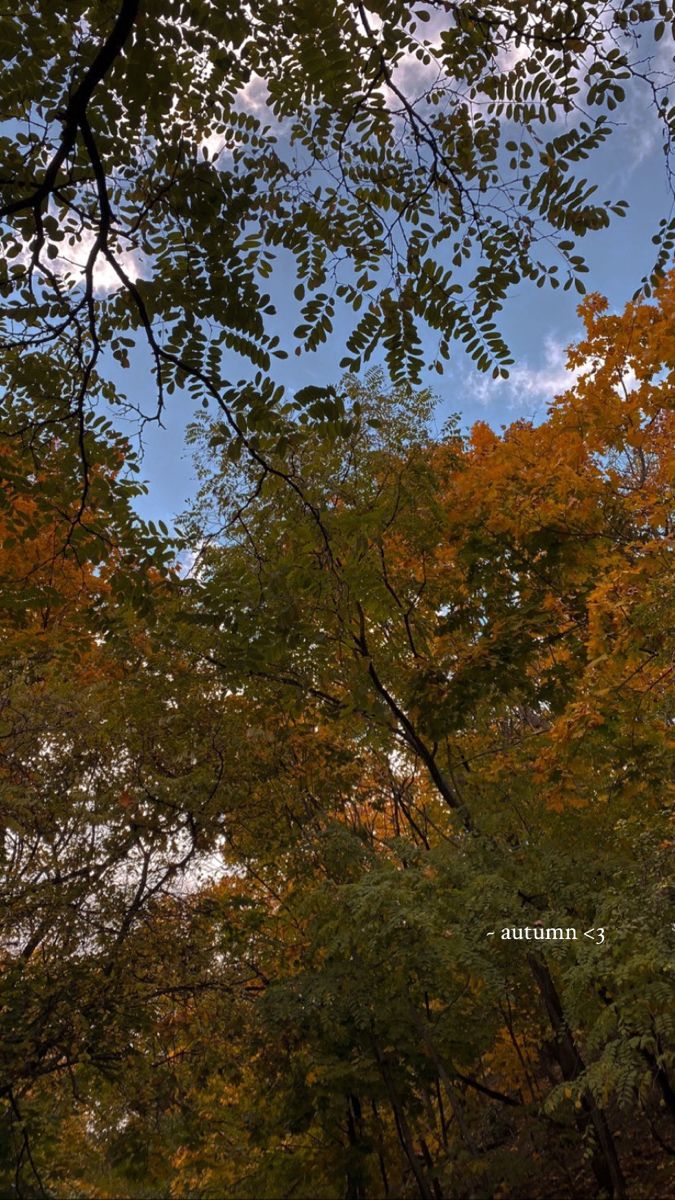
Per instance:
{"type": "Point", "coordinates": [606, 1165]}
{"type": "Point", "coordinates": [403, 1130]}
{"type": "Point", "coordinates": [355, 1184]}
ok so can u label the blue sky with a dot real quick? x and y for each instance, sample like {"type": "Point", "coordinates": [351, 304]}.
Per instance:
{"type": "Point", "coordinates": [538, 323]}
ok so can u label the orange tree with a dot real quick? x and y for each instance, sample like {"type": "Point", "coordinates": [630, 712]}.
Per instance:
{"type": "Point", "coordinates": [96, 803]}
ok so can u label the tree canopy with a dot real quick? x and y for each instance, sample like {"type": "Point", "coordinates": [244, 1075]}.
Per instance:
{"type": "Point", "coordinates": [261, 821]}
{"type": "Point", "coordinates": [409, 162]}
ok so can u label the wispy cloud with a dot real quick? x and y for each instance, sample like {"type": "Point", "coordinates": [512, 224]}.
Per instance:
{"type": "Point", "coordinates": [254, 96]}
{"type": "Point", "coordinates": [529, 384]}
{"type": "Point", "coordinates": [532, 386]}
{"type": "Point", "coordinates": [70, 264]}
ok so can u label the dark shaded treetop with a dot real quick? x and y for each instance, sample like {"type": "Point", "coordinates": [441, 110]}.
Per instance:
{"type": "Point", "coordinates": [415, 161]}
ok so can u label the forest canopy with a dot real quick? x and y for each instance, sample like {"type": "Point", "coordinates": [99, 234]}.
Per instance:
{"type": "Point", "coordinates": [260, 819]}
{"type": "Point", "coordinates": [274, 784]}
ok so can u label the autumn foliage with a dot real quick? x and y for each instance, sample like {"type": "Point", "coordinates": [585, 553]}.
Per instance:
{"type": "Point", "coordinates": [261, 819]}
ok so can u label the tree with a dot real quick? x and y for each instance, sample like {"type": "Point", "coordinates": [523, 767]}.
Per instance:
{"type": "Point", "coordinates": [439, 680]}
{"type": "Point", "coordinates": [463, 615]}
{"type": "Point", "coordinates": [97, 812]}
{"type": "Point", "coordinates": [410, 152]}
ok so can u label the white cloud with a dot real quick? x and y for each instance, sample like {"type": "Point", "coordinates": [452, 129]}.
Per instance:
{"type": "Point", "coordinates": [70, 264]}
{"type": "Point", "coordinates": [528, 385]}
{"type": "Point", "coordinates": [549, 379]}
{"type": "Point", "coordinates": [254, 97]}
{"type": "Point", "coordinates": [510, 57]}
{"type": "Point", "coordinates": [411, 74]}
{"type": "Point", "coordinates": [215, 146]}
{"type": "Point", "coordinates": [413, 77]}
